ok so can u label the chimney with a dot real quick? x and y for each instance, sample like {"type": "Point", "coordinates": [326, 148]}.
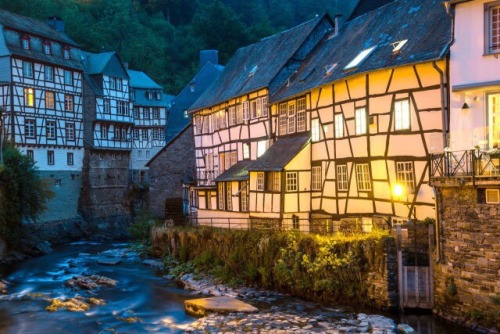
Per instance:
{"type": "Point", "coordinates": [56, 22]}
{"type": "Point", "coordinates": [209, 56]}
{"type": "Point", "coordinates": [339, 21]}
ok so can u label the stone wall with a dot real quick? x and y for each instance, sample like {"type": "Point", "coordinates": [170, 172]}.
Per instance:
{"type": "Point", "coordinates": [174, 163]}
{"type": "Point", "coordinates": [466, 277]}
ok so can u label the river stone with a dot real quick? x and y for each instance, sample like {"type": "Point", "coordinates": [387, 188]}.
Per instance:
{"type": "Point", "coordinates": [203, 306]}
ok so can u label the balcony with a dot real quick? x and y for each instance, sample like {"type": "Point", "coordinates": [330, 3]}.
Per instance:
{"type": "Point", "coordinates": [206, 178]}
{"type": "Point", "coordinates": [471, 166]}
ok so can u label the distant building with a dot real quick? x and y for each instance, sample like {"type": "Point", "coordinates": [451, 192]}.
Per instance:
{"type": "Point", "coordinates": [172, 169]}
{"type": "Point", "coordinates": [41, 78]}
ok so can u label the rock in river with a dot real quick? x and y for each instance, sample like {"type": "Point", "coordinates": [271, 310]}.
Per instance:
{"type": "Point", "coordinates": [90, 282]}
{"type": "Point", "coordinates": [204, 306]}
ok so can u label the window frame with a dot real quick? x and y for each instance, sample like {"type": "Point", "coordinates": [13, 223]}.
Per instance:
{"type": "Point", "coordinates": [70, 159]}
{"type": "Point", "coordinates": [229, 196]}
{"type": "Point", "coordinates": [27, 69]}
{"type": "Point", "coordinates": [273, 182]}
{"type": "Point", "coordinates": [488, 28]}
{"type": "Point", "coordinates": [363, 179]}
{"type": "Point", "coordinates": [361, 121]}
{"type": "Point", "coordinates": [47, 48]}
{"type": "Point", "coordinates": [492, 108]}
{"type": "Point", "coordinates": [402, 116]}
{"type": "Point", "coordinates": [339, 125]}
{"type": "Point", "coordinates": [30, 129]}
{"type": "Point", "coordinates": [29, 97]}
{"type": "Point", "coordinates": [260, 181]}
{"type": "Point", "coordinates": [291, 181]}
{"type": "Point", "coordinates": [405, 176]}
{"type": "Point", "coordinates": [342, 178]}
{"type": "Point", "coordinates": [25, 42]}
{"type": "Point", "coordinates": [69, 131]}
{"type": "Point", "coordinates": [315, 130]}
{"type": "Point", "coordinates": [51, 159]}
{"type": "Point", "coordinates": [106, 103]}
{"type": "Point", "coordinates": [69, 103]}
{"type": "Point", "coordinates": [50, 99]}
{"type": "Point", "coordinates": [316, 178]}
{"type": "Point", "coordinates": [220, 196]}
{"type": "Point", "coordinates": [68, 77]}
{"type": "Point", "coordinates": [51, 130]}
{"type": "Point", "coordinates": [301, 115]}
{"type": "Point", "coordinates": [48, 73]}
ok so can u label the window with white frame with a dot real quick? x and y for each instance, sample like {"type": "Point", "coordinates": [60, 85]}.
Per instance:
{"type": "Point", "coordinates": [494, 120]}
{"type": "Point", "coordinates": [339, 125]}
{"type": "Point", "coordinates": [265, 106]}
{"type": "Point", "coordinates": [301, 115]}
{"type": "Point", "coordinates": [246, 111]}
{"type": "Point", "coordinates": [360, 120]}
{"type": "Point", "coordinates": [253, 108]}
{"type": "Point", "coordinates": [50, 158]}
{"type": "Point", "coordinates": [68, 77]}
{"type": "Point", "coordinates": [46, 48]}
{"type": "Point", "coordinates": [119, 84]}
{"type": "Point", "coordinates": [135, 134]}
{"type": "Point", "coordinates": [492, 27]}
{"type": "Point", "coordinates": [25, 41]}
{"type": "Point", "coordinates": [29, 97]}
{"type": "Point", "coordinates": [156, 113]}
{"type": "Point", "coordinates": [104, 131]}
{"type": "Point", "coordinates": [316, 178]}
{"type": "Point", "coordinates": [260, 181]}
{"type": "Point", "coordinates": [273, 182]}
{"type": "Point", "coordinates": [315, 129]}
{"type": "Point", "coordinates": [68, 102]}
{"type": "Point", "coordinates": [206, 124]}
{"type": "Point", "coordinates": [220, 194]}
{"type": "Point", "coordinates": [342, 178]}
{"type": "Point", "coordinates": [70, 131]}
{"type": "Point", "coordinates": [291, 117]}
{"type": "Point", "coordinates": [405, 175]}
{"type": "Point", "coordinates": [291, 181]}
{"type": "Point", "coordinates": [66, 54]}
{"type": "Point", "coordinates": [363, 177]}
{"type": "Point", "coordinates": [232, 115]}
{"type": "Point", "coordinates": [359, 58]}
{"type": "Point", "coordinates": [112, 83]}
{"type": "Point", "coordinates": [145, 134]}
{"type": "Point", "coordinates": [51, 130]}
{"type": "Point", "coordinates": [70, 159]}
{"type": "Point", "coordinates": [145, 113]}
{"type": "Point", "coordinates": [246, 151]}
{"type": "Point", "coordinates": [239, 114]}
{"type": "Point", "coordinates": [48, 73]}
{"type": "Point", "coordinates": [27, 69]}
{"type": "Point", "coordinates": [29, 128]}
{"type": "Point", "coordinates": [50, 102]}
{"type": "Point", "coordinates": [107, 106]}
{"type": "Point", "coordinates": [229, 196]}
{"type": "Point", "coordinates": [282, 114]}
{"type": "Point", "coordinates": [261, 148]}
{"type": "Point", "coordinates": [123, 108]}
{"type": "Point", "coordinates": [402, 114]}
{"type": "Point", "coordinates": [244, 196]}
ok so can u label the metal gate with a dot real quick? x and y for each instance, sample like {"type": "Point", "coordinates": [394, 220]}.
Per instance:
{"type": "Point", "coordinates": [415, 244]}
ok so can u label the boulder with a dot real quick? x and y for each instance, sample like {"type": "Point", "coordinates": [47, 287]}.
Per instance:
{"type": "Point", "coordinates": [91, 282]}
{"type": "Point", "coordinates": [203, 306]}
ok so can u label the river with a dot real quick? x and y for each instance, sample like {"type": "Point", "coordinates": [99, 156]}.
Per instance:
{"type": "Point", "coordinates": [141, 302]}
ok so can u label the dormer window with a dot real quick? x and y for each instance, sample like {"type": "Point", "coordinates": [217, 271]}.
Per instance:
{"type": "Point", "coordinates": [192, 85]}
{"type": "Point", "coordinates": [66, 54]}
{"type": "Point", "coordinates": [397, 46]}
{"type": "Point", "coordinates": [25, 40]}
{"type": "Point", "coordinates": [158, 96]}
{"type": "Point", "coordinates": [252, 71]}
{"type": "Point", "coordinates": [150, 95]}
{"type": "Point", "coordinates": [46, 48]}
{"type": "Point", "coordinates": [359, 58]}
{"type": "Point", "coordinates": [329, 69]}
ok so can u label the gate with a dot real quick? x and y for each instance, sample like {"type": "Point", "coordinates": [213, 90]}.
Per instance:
{"type": "Point", "coordinates": [415, 244]}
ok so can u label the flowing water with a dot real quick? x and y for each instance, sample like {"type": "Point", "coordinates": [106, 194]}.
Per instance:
{"type": "Point", "coordinates": [141, 302]}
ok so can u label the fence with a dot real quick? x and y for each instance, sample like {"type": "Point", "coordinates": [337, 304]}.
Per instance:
{"type": "Point", "coordinates": [470, 163]}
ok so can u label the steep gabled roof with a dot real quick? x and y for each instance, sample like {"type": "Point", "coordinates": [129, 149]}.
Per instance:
{"type": "Point", "coordinates": [139, 79]}
{"type": "Point", "coordinates": [423, 23]}
{"type": "Point", "coordinates": [280, 153]}
{"type": "Point", "coordinates": [107, 63]}
{"type": "Point", "coordinates": [255, 66]}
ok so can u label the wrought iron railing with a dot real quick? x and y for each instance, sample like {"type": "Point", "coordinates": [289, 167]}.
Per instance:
{"type": "Point", "coordinates": [468, 164]}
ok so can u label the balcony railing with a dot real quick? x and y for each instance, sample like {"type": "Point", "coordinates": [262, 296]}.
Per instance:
{"type": "Point", "coordinates": [465, 164]}
{"type": "Point", "coordinates": [206, 178]}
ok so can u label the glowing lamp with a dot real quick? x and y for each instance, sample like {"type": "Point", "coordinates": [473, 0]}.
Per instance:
{"type": "Point", "coordinates": [398, 190]}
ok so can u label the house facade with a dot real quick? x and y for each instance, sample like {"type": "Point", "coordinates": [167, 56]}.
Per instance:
{"type": "Point", "coordinates": [41, 90]}
{"type": "Point", "coordinates": [466, 177]}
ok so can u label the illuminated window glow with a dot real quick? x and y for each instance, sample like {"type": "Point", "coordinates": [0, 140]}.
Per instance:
{"type": "Point", "coordinates": [359, 58]}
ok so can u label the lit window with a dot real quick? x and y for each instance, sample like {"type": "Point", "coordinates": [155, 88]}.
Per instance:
{"type": "Point", "coordinates": [405, 175]}
{"type": "Point", "coordinates": [221, 196]}
{"type": "Point", "coordinates": [50, 158]}
{"type": "Point", "coordinates": [315, 129]}
{"type": "Point", "coordinates": [244, 196]}
{"type": "Point", "coordinates": [361, 121]}
{"type": "Point", "coordinates": [282, 119]}
{"type": "Point", "coordinates": [29, 128]}
{"type": "Point", "coordinates": [48, 73]}
{"type": "Point", "coordinates": [246, 111]}
{"type": "Point", "coordinates": [342, 178]}
{"type": "Point", "coordinates": [68, 102]}
{"type": "Point", "coordinates": [29, 97]}
{"type": "Point", "coordinates": [70, 131]}
{"type": "Point", "coordinates": [70, 159]}
{"type": "Point", "coordinates": [273, 181]}
{"type": "Point", "coordinates": [260, 181]}
{"type": "Point", "coordinates": [261, 148]}
{"type": "Point", "coordinates": [339, 125]}
{"type": "Point", "coordinates": [68, 77]}
{"type": "Point", "coordinates": [291, 181]}
{"type": "Point", "coordinates": [49, 100]}
{"type": "Point", "coordinates": [51, 130]}
{"type": "Point", "coordinates": [492, 19]}
{"type": "Point", "coordinates": [494, 120]}
{"type": "Point", "coordinates": [229, 196]}
{"type": "Point", "coordinates": [27, 69]}
{"type": "Point", "coordinates": [359, 58]}
{"type": "Point", "coordinates": [402, 115]}
{"type": "Point", "coordinates": [363, 177]}
{"type": "Point", "coordinates": [301, 115]}
{"type": "Point", "coordinates": [316, 178]}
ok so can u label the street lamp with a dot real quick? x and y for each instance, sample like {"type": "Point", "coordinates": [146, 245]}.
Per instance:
{"type": "Point", "coordinates": [398, 191]}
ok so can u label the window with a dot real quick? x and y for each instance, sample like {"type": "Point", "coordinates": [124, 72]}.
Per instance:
{"type": "Point", "coordinates": [150, 95]}
{"type": "Point", "coordinates": [229, 196]}
{"type": "Point", "coordinates": [119, 84]}
{"type": "Point", "coordinates": [291, 117]}
{"type": "Point", "coordinates": [316, 178]}
{"type": "Point", "coordinates": [206, 125]}
{"type": "Point", "coordinates": [49, 100]}
{"type": "Point", "coordinates": [144, 134]}
{"type": "Point", "coordinates": [29, 97]}
{"type": "Point", "coordinates": [156, 133]}
{"type": "Point", "coordinates": [261, 148]}
{"type": "Point", "coordinates": [25, 41]}
{"type": "Point", "coordinates": [185, 114]}
{"type": "Point", "coordinates": [405, 175]}
{"type": "Point", "coordinates": [301, 115]}
{"type": "Point", "coordinates": [158, 96]}
{"type": "Point", "coordinates": [156, 113]}
{"type": "Point", "coordinates": [246, 113]}
{"type": "Point", "coordinates": [253, 108]}
{"type": "Point", "coordinates": [342, 178]}
{"type": "Point", "coordinates": [232, 116]}
{"type": "Point", "coordinates": [51, 130]}
{"type": "Point", "coordinates": [246, 151]}
{"type": "Point", "coordinates": [361, 121]}
{"type": "Point", "coordinates": [145, 113]}
{"type": "Point", "coordinates": [273, 181]}
{"type": "Point", "coordinates": [50, 158]}
{"type": "Point", "coordinates": [135, 134]}
{"type": "Point", "coordinates": [48, 73]}
{"type": "Point", "coordinates": [123, 108]}
{"type": "Point", "coordinates": [339, 125]}
{"type": "Point", "coordinates": [315, 129]}
{"type": "Point", "coordinates": [29, 128]}
{"type": "Point", "coordinates": [220, 194]}
{"type": "Point", "coordinates": [402, 114]}
{"type": "Point", "coordinates": [112, 83]}
{"type": "Point", "coordinates": [46, 48]}
{"type": "Point", "coordinates": [282, 119]}
{"type": "Point", "coordinates": [260, 181]}
{"type": "Point", "coordinates": [68, 77]}
{"type": "Point", "coordinates": [224, 161]}
{"type": "Point", "coordinates": [70, 159]}
{"type": "Point", "coordinates": [359, 58]}
{"type": "Point", "coordinates": [265, 107]}
{"type": "Point", "coordinates": [107, 106]}
{"type": "Point", "coordinates": [209, 162]}
{"type": "Point", "coordinates": [70, 131]}
{"type": "Point", "coordinates": [30, 154]}
{"type": "Point", "coordinates": [244, 196]}
{"type": "Point", "coordinates": [239, 114]}
{"type": "Point", "coordinates": [136, 113]}
{"type": "Point", "coordinates": [104, 131]}
{"type": "Point", "coordinates": [492, 43]}
{"type": "Point", "coordinates": [363, 177]}
{"type": "Point", "coordinates": [148, 154]}
{"type": "Point", "coordinates": [291, 181]}
{"type": "Point", "coordinates": [27, 69]}
{"type": "Point", "coordinates": [295, 222]}
{"type": "Point", "coordinates": [68, 102]}
{"type": "Point", "coordinates": [494, 120]}
{"type": "Point", "coordinates": [66, 54]}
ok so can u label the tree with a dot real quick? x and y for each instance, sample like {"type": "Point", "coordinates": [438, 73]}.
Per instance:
{"type": "Point", "coordinates": [23, 194]}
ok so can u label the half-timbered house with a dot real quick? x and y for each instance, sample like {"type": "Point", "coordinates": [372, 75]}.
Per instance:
{"type": "Point", "coordinates": [150, 108]}
{"type": "Point", "coordinates": [41, 100]}
{"type": "Point", "coordinates": [232, 123]}
{"type": "Point", "coordinates": [108, 129]}
{"type": "Point", "coordinates": [372, 98]}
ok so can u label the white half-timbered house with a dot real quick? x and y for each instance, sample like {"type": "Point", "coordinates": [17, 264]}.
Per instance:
{"type": "Point", "coordinates": [41, 100]}
{"type": "Point", "coordinates": [372, 97]}
{"type": "Point", "coordinates": [150, 108]}
{"type": "Point", "coordinates": [232, 123]}
{"type": "Point", "coordinates": [108, 130]}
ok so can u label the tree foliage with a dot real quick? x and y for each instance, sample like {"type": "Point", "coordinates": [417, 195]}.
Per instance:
{"type": "Point", "coordinates": [163, 37]}
{"type": "Point", "coordinates": [23, 194]}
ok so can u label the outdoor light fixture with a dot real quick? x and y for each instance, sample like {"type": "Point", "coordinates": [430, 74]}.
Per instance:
{"type": "Point", "coordinates": [465, 106]}
{"type": "Point", "coordinates": [398, 190]}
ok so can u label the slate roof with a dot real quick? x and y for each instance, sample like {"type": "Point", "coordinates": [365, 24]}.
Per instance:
{"type": "Point", "coordinates": [423, 22]}
{"type": "Point", "coordinates": [280, 153]}
{"type": "Point", "coordinates": [265, 59]}
{"type": "Point", "coordinates": [237, 172]}
{"type": "Point", "coordinates": [139, 79]}
{"type": "Point", "coordinates": [107, 63]}
{"type": "Point", "coordinates": [183, 101]}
